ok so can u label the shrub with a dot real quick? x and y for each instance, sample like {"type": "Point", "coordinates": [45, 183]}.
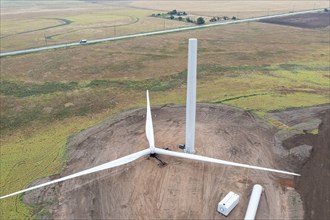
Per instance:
{"type": "Point", "coordinates": [173, 12]}
{"type": "Point", "coordinates": [200, 20]}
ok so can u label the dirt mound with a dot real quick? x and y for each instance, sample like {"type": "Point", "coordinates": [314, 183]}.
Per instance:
{"type": "Point", "coordinates": [182, 189]}
{"type": "Point", "coordinates": [313, 185]}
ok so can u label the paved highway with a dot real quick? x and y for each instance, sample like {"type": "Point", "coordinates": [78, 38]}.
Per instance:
{"type": "Point", "coordinates": [17, 52]}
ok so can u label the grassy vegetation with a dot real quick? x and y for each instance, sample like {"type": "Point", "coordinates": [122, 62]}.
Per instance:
{"type": "Point", "coordinates": [156, 84]}
{"type": "Point", "coordinates": [9, 28]}
{"type": "Point", "coordinates": [39, 151]}
{"type": "Point", "coordinates": [25, 157]}
{"type": "Point", "coordinates": [47, 97]}
{"type": "Point", "coordinates": [96, 18]}
{"type": "Point", "coordinates": [314, 131]}
{"type": "Point", "coordinates": [22, 89]}
{"type": "Point", "coordinates": [278, 101]}
{"type": "Point", "coordinates": [270, 88]}
{"type": "Point", "coordinates": [52, 108]}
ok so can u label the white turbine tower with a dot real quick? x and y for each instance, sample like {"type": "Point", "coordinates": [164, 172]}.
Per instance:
{"type": "Point", "coordinates": [150, 151]}
{"type": "Point", "coordinates": [191, 96]}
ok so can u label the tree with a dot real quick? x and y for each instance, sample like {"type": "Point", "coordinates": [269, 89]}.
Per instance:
{"type": "Point", "coordinates": [173, 12]}
{"type": "Point", "coordinates": [213, 19]}
{"type": "Point", "coordinates": [189, 20]}
{"type": "Point", "coordinates": [180, 18]}
{"type": "Point", "coordinates": [200, 20]}
{"type": "Point", "coordinates": [172, 17]}
{"type": "Point", "coordinates": [233, 18]}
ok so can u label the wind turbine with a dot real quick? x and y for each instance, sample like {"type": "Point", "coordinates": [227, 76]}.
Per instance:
{"type": "Point", "coordinates": [152, 150]}
{"type": "Point", "coordinates": [191, 97]}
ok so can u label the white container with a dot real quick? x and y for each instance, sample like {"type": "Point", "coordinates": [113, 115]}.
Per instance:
{"type": "Point", "coordinates": [228, 203]}
{"type": "Point", "coordinates": [254, 202]}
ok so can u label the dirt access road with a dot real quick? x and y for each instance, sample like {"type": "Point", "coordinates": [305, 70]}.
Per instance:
{"type": "Point", "coordinates": [183, 189]}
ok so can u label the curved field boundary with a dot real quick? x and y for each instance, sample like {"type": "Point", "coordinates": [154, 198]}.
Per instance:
{"type": "Point", "coordinates": [63, 20]}
{"type": "Point", "coordinates": [134, 20]}
{"type": "Point", "coordinates": [239, 97]}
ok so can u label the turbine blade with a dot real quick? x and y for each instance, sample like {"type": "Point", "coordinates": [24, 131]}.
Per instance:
{"type": "Point", "coordinates": [212, 160]}
{"type": "Point", "coordinates": [149, 127]}
{"type": "Point", "coordinates": [112, 164]}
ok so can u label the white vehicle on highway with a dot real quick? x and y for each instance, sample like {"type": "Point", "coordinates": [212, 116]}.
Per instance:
{"type": "Point", "coordinates": [83, 41]}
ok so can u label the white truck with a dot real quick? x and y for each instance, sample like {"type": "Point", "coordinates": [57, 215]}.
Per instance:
{"type": "Point", "coordinates": [228, 203]}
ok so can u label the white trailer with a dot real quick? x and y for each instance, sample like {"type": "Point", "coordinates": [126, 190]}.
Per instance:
{"type": "Point", "coordinates": [228, 203]}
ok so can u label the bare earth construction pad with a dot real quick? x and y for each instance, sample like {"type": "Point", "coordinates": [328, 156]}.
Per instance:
{"type": "Point", "coordinates": [182, 189]}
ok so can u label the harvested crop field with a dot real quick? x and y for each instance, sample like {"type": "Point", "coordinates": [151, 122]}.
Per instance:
{"type": "Point", "coordinates": [309, 20]}
{"type": "Point", "coordinates": [239, 8]}
{"type": "Point", "coordinates": [183, 189]}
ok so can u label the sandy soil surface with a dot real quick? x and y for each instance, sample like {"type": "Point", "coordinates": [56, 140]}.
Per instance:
{"type": "Point", "coordinates": [183, 189]}
{"type": "Point", "coordinates": [310, 20]}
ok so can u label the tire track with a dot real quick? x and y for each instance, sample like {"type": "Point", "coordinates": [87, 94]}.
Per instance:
{"type": "Point", "coordinates": [133, 21]}
{"type": "Point", "coordinates": [63, 20]}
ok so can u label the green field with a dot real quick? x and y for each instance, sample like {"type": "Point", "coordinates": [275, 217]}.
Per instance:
{"type": "Point", "coordinates": [49, 96]}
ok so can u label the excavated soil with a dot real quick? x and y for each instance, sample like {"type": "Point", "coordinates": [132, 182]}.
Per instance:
{"type": "Point", "coordinates": [183, 189]}
{"type": "Point", "coordinates": [314, 183]}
